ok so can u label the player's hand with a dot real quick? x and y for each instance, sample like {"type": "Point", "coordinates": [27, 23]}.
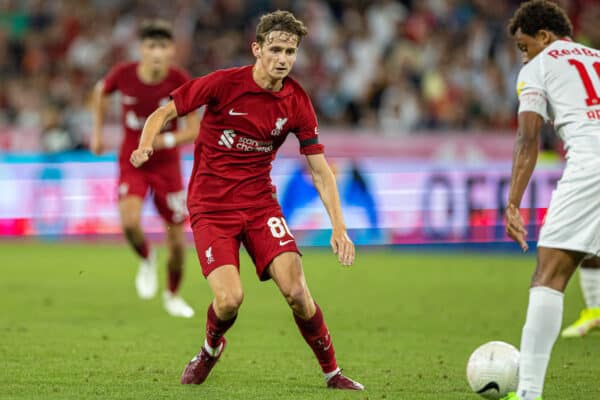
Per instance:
{"type": "Point", "coordinates": [342, 246]}
{"type": "Point", "coordinates": [515, 227]}
{"type": "Point", "coordinates": [140, 156]}
{"type": "Point", "coordinates": [97, 145]}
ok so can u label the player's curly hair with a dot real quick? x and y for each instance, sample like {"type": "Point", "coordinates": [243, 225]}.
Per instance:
{"type": "Point", "coordinates": [534, 15]}
{"type": "Point", "coordinates": [279, 20]}
{"type": "Point", "coordinates": [155, 29]}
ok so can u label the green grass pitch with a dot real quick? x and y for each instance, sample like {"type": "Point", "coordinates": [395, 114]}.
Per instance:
{"type": "Point", "coordinates": [403, 324]}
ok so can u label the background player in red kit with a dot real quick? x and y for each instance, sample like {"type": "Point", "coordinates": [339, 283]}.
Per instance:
{"type": "Point", "coordinates": [249, 113]}
{"type": "Point", "coordinates": [145, 85]}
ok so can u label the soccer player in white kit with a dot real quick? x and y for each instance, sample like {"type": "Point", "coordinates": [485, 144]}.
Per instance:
{"type": "Point", "coordinates": [560, 82]}
{"type": "Point", "coordinates": [589, 318]}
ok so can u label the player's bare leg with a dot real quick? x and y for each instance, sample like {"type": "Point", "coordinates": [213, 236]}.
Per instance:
{"type": "Point", "coordinates": [589, 275]}
{"type": "Point", "coordinates": [226, 286]}
{"type": "Point", "coordinates": [172, 302]}
{"type": "Point", "coordinates": [130, 209]}
{"type": "Point", "coordinates": [286, 271]}
{"type": "Point", "coordinates": [544, 316]}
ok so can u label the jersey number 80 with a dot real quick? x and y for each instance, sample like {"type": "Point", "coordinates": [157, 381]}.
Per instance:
{"type": "Point", "coordinates": [278, 227]}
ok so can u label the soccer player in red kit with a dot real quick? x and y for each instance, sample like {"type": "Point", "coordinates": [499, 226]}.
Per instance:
{"type": "Point", "coordinates": [249, 113]}
{"type": "Point", "coordinates": [144, 86]}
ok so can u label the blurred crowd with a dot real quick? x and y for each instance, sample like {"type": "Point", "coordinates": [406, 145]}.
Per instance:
{"type": "Point", "coordinates": [389, 66]}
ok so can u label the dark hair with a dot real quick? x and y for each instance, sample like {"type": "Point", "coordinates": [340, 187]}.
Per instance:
{"type": "Point", "coordinates": [283, 21]}
{"type": "Point", "coordinates": [535, 15]}
{"type": "Point", "coordinates": [155, 29]}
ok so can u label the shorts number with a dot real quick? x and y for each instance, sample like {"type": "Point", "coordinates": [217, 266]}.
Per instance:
{"type": "Point", "coordinates": [278, 227]}
{"type": "Point", "coordinates": [176, 203]}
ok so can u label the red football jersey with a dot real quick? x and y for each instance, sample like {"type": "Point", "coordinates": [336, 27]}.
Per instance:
{"type": "Point", "coordinates": [138, 101]}
{"type": "Point", "coordinates": [242, 128]}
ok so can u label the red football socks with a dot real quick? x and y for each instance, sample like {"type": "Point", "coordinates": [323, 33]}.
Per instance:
{"type": "Point", "coordinates": [143, 249]}
{"type": "Point", "coordinates": [174, 278]}
{"type": "Point", "coordinates": [216, 328]}
{"type": "Point", "coordinates": [317, 336]}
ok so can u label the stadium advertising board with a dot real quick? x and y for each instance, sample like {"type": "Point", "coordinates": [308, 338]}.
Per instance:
{"type": "Point", "coordinates": [385, 201]}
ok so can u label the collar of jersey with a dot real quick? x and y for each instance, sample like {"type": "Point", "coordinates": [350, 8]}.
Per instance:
{"type": "Point", "coordinates": [253, 87]}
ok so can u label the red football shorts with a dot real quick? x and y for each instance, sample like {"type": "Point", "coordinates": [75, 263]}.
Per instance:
{"type": "Point", "coordinates": [263, 231]}
{"type": "Point", "coordinates": [166, 186]}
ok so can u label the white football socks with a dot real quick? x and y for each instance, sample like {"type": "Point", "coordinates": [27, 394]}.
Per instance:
{"type": "Point", "coordinates": [590, 286]}
{"type": "Point", "coordinates": [542, 325]}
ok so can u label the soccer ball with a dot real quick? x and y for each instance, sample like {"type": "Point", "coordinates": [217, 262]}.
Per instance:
{"type": "Point", "coordinates": [493, 370]}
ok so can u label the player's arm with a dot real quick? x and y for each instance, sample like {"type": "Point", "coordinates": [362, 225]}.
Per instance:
{"type": "Point", "coordinates": [187, 134]}
{"type": "Point", "coordinates": [99, 105]}
{"type": "Point", "coordinates": [187, 98]}
{"type": "Point", "coordinates": [525, 156]}
{"type": "Point", "coordinates": [326, 185]}
{"type": "Point", "coordinates": [152, 127]}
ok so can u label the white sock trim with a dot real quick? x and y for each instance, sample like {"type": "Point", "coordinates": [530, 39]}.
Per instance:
{"type": "Point", "coordinates": [547, 290]}
{"type": "Point", "coordinates": [331, 374]}
{"type": "Point", "coordinates": [211, 350]}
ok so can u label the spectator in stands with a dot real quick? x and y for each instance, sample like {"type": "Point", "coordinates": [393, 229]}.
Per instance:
{"type": "Point", "coordinates": [390, 66]}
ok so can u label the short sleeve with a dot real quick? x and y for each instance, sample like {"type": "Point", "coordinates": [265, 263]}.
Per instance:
{"type": "Point", "coordinates": [197, 92]}
{"type": "Point", "coordinates": [111, 80]}
{"type": "Point", "coordinates": [531, 91]}
{"type": "Point", "coordinates": [307, 129]}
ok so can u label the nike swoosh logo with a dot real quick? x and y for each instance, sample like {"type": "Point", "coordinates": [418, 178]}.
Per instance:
{"type": "Point", "coordinates": [490, 385]}
{"type": "Point", "coordinates": [282, 243]}
{"type": "Point", "coordinates": [231, 112]}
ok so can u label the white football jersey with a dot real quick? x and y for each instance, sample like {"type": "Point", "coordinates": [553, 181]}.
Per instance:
{"type": "Point", "coordinates": [562, 84]}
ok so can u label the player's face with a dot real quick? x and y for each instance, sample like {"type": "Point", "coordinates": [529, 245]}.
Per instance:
{"type": "Point", "coordinates": [277, 54]}
{"type": "Point", "coordinates": [157, 53]}
{"type": "Point", "coordinates": [531, 46]}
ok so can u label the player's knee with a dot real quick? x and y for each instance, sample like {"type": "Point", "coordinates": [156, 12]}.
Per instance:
{"type": "Point", "coordinates": [228, 302]}
{"type": "Point", "coordinates": [556, 282]}
{"type": "Point", "coordinates": [552, 275]}
{"type": "Point", "coordinates": [296, 295]}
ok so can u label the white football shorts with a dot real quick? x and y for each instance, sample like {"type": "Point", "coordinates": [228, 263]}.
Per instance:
{"type": "Point", "coordinates": [573, 218]}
